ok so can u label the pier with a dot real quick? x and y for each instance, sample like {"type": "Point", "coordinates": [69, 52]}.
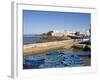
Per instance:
{"type": "Point", "coordinates": [37, 48]}
{"type": "Point", "coordinates": [47, 46]}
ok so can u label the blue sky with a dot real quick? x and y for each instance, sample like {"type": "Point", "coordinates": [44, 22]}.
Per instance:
{"type": "Point", "coordinates": [37, 22]}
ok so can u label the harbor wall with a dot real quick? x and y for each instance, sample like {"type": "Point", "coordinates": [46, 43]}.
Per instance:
{"type": "Point", "coordinates": [43, 47]}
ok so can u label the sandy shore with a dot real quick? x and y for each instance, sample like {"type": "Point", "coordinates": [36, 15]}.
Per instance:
{"type": "Point", "coordinates": [47, 46]}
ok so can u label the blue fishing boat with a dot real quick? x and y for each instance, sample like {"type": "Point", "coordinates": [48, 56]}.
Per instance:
{"type": "Point", "coordinates": [33, 61]}
{"type": "Point", "coordinates": [73, 63]}
{"type": "Point", "coordinates": [84, 53]}
{"type": "Point", "coordinates": [55, 53]}
{"type": "Point", "coordinates": [78, 53]}
{"type": "Point", "coordinates": [47, 65]}
{"type": "Point", "coordinates": [55, 59]}
{"type": "Point", "coordinates": [72, 60]}
{"type": "Point", "coordinates": [51, 65]}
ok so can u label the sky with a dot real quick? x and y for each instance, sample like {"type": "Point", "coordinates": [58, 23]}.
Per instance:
{"type": "Point", "coordinates": [37, 22]}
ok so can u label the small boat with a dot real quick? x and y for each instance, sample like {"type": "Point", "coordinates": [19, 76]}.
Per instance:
{"type": "Point", "coordinates": [73, 63]}
{"type": "Point", "coordinates": [72, 60]}
{"type": "Point", "coordinates": [51, 65]}
{"type": "Point", "coordinates": [55, 59]}
{"type": "Point", "coordinates": [33, 61]}
{"type": "Point", "coordinates": [47, 65]}
{"type": "Point", "coordinates": [55, 53]}
{"type": "Point", "coordinates": [84, 53]}
{"type": "Point", "coordinates": [86, 41]}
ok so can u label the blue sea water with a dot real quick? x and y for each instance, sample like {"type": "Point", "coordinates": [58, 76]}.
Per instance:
{"type": "Point", "coordinates": [31, 39]}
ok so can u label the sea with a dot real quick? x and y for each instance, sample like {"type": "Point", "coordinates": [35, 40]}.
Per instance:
{"type": "Point", "coordinates": [31, 39]}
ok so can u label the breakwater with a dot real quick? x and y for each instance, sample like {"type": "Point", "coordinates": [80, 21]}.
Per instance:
{"type": "Point", "coordinates": [36, 48]}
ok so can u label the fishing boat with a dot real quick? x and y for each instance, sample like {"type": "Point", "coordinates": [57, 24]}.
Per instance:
{"type": "Point", "coordinates": [73, 61]}
{"type": "Point", "coordinates": [33, 61]}
{"type": "Point", "coordinates": [55, 59]}
{"type": "Point", "coordinates": [55, 53]}
{"type": "Point", "coordinates": [86, 41]}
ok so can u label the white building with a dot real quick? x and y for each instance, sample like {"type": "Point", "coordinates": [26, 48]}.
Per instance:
{"type": "Point", "coordinates": [58, 33]}
{"type": "Point", "coordinates": [62, 33]}
{"type": "Point", "coordinates": [85, 32]}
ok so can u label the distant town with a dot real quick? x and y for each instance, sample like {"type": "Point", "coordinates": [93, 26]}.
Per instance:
{"type": "Point", "coordinates": [71, 34]}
